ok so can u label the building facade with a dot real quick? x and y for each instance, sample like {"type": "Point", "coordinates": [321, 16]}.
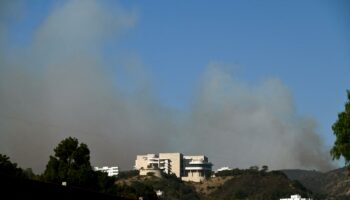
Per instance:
{"type": "Point", "coordinates": [188, 168]}
{"type": "Point", "coordinates": [196, 168]}
{"type": "Point", "coordinates": [111, 171]}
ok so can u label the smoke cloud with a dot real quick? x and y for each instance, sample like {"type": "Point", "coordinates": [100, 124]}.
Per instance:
{"type": "Point", "coordinates": [60, 85]}
{"type": "Point", "coordinates": [244, 125]}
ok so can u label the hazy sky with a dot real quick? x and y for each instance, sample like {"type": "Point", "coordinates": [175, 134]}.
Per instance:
{"type": "Point", "coordinates": [133, 77]}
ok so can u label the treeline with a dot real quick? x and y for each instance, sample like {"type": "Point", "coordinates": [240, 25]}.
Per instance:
{"type": "Point", "coordinates": [9, 169]}
{"type": "Point", "coordinates": [70, 163]}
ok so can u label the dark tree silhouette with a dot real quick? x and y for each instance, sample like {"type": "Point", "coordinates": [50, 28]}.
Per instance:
{"type": "Point", "coordinates": [71, 163]}
{"type": "Point", "coordinates": [7, 168]}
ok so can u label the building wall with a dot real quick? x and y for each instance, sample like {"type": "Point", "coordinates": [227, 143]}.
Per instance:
{"type": "Point", "coordinates": [194, 176]}
{"type": "Point", "coordinates": [188, 168]}
{"type": "Point", "coordinates": [196, 168]}
{"type": "Point", "coordinates": [152, 161]}
{"type": "Point", "coordinates": [200, 157]}
{"type": "Point", "coordinates": [175, 162]}
{"type": "Point", "coordinates": [141, 161]}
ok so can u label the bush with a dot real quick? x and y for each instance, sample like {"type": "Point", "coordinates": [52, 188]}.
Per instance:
{"type": "Point", "coordinates": [128, 174]}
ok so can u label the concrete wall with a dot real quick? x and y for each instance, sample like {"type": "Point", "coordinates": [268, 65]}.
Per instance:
{"type": "Point", "coordinates": [175, 162]}
{"type": "Point", "coordinates": [200, 157]}
{"type": "Point", "coordinates": [141, 162]}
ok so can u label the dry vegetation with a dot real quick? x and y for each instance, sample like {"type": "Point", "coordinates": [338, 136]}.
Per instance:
{"type": "Point", "coordinates": [206, 187]}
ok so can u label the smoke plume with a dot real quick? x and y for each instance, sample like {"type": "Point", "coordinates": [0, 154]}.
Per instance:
{"type": "Point", "coordinates": [60, 85]}
{"type": "Point", "coordinates": [244, 125]}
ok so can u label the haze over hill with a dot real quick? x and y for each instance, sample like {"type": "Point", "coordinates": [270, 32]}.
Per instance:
{"type": "Point", "coordinates": [59, 84]}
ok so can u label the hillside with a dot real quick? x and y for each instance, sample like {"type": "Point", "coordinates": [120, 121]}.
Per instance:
{"type": "Point", "coordinates": [20, 188]}
{"type": "Point", "coordinates": [334, 184]}
{"type": "Point", "coordinates": [172, 187]}
{"type": "Point", "coordinates": [297, 174]}
{"type": "Point", "coordinates": [242, 185]}
{"type": "Point", "coordinates": [267, 185]}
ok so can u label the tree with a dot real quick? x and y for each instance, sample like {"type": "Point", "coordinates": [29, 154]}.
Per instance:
{"type": "Point", "coordinates": [28, 173]}
{"type": "Point", "coordinates": [254, 168]}
{"type": "Point", "coordinates": [264, 168]}
{"type": "Point", "coordinates": [71, 163]}
{"type": "Point", "coordinates": [341, 129]}
{"type": "Point", "coordinates": [143, 190]}
{"type": "Point", "coordinates": [8, 168]}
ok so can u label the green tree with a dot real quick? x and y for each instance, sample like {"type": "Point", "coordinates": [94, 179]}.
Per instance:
{"type": "Point", "coordinates": [71, 163]}
{"type": "Point", "coordinates": [264, 168]}
{"type": "Point", "coordinates": [143, 190]}
{"type": "Point", "coordinates": [341, 129]}
{"type": "Point", "coordinates": [28, 173]}
{"type": "Point", "coordinates": [8, 168]}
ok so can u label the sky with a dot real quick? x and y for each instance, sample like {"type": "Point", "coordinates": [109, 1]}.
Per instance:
{"type": "Point", "coordinates": [132, 77]}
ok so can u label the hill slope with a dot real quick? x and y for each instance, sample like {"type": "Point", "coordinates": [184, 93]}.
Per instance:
{"type": "Point", "coordinates": [20, 188]}
{"type": "Point", "coordinates": [264, 186]}
{"type": "Point", "coordinates": [334, 184]}
{"type": "Point", "coordinates": [172, 187]}
{"type": "Point", "coordinates": [244, 184]}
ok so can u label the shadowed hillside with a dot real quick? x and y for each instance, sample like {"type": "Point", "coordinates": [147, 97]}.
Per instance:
{"type": "Point", "coordinates": [19, 188]}
{"type": "Point", "coordinates": [268, 185]}
{"type": "Point", "coordinates": [235, 184]}
{"type": "Point", "coordinates": [334, 184]}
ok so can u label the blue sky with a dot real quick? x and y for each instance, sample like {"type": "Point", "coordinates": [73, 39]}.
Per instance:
{"type": "Point", "coordinates": [305, 44]}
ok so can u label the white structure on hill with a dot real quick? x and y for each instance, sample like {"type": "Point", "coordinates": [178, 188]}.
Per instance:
{"type": "Point", "coordinates": [295, 197]}
{"type": "Point", "coordinates": [111, 171]}
{"type": "Point", "coordinates": [188, 168]}
{"type": "Point", "coordinates": [223, 169]}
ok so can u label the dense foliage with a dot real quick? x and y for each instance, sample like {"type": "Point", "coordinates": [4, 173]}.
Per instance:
{"type": "Point", "coordinates": [71, 164]}
{"type": "Point", "coordinates": [341, 129]}
{"type": "Point", "coordinates": [171, 186]}
{"type": "Point", "coordinates": [7, 168]}
{"type": "Point", "coordinates": [128, 174]}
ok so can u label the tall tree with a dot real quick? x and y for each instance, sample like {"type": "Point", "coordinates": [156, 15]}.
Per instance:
{"type": "Point", "coordinates": [71, 163]}
{"type": "Point", "coordinates": [341, 129]}
{"type": "Point", "coordinates": [8, 168]}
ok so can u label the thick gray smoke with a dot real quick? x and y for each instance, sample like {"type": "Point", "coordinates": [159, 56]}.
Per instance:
{"type": "Point", "coordinates": [60, 85]}
{"type": "Point", "coordinates": [244, 125]}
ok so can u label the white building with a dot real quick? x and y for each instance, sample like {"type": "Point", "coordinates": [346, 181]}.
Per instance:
{"type": "Point", "coordinates": [188, 168]}
{"type": "Point", "coordinates": [111, 171]}
{"type": "Point", "coordinates": [295, 197]}
{"type": "Point", "coordinates": [223, 169]}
